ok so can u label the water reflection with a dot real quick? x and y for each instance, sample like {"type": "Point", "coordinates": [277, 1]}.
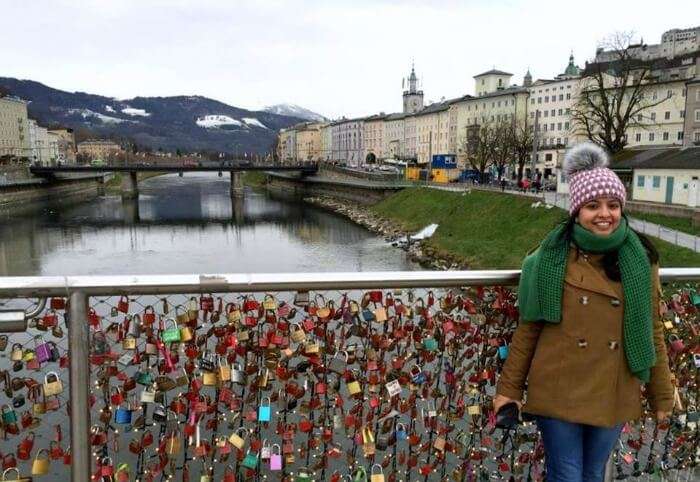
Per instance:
{"type": "Point", "coordinates": [189, 224]}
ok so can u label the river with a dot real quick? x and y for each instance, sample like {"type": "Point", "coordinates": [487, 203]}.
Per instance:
{"type": "Point", "coordinates": [189, 224]}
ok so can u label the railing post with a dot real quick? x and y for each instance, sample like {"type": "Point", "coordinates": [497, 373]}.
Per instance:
{"type": "Point", "coordinates": [78, 353]}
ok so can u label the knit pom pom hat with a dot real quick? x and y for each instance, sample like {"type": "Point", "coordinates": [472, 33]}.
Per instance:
{"type": "Point", "coordinates": [585, 166]}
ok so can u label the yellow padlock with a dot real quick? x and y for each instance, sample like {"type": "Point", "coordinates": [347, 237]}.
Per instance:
{"type": "Point", "coordinates": [236, 440]}
{"type": "Point", "coordinates": [296, 333]}
{"type": "Point", "coordinates": [129, 343]}
{"type": "Point", "coordinates": [52, 384]}
{"type": "Point", "coordinates": [311, 348]}
{"type": "Point", "coordinates": [354, 387]}
{"type": "Point", "coordinates": [380, 315]}
{"type": "Point", "coordinates": [186, 333]}
{"type": "Point", "coordinates": [28, 355]}
{"type": "Point", "coordinates": [224, 370]}
{"type": "Point", "coordinates": [40, 466]}
{"type": "Point", "coordinates": [16, 354]}
{"type": "Point", "coordinates": [377, 476]}
{"type": "Point", "coordinates": [473, 409]}
{"type": "Point", "coordinates": [269, 302]}
{"type": "Point", "coordinates": [209, 379]}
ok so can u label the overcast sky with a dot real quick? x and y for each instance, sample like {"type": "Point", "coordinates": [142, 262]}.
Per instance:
{"type": "Point", "coordinates": [334, 57]}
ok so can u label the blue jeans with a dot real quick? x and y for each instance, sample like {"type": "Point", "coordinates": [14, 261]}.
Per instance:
{"type": "Point", "coordinates": [575, 452]}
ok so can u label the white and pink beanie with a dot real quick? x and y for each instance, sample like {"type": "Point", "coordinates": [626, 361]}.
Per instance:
{"type": "Point", "coordinates": [589, 178]}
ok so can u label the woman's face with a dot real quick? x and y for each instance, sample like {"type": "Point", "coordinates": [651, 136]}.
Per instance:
{"type": "Point", "coordinates": [600, 216]}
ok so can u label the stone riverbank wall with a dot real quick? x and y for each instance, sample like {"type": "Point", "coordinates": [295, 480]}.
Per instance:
{"type": "Point", "coordinates": [23, 193]}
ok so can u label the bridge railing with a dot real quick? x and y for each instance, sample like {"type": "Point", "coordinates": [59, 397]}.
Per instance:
{"type": "Point", "coordinates": [302, 376]}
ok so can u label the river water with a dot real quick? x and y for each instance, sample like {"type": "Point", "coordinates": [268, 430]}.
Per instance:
{"type": "Point", "coordinates": [189, 224]}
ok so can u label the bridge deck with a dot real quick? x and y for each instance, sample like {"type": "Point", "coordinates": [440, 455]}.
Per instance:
{"type": "Point", "coordinates": [39, 170]}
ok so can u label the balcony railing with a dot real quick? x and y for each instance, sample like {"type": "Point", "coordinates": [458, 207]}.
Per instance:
{"type": "Point", "coordinates": [290, 376]}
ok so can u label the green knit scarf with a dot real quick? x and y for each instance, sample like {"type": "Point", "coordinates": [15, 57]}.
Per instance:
{"type": "Point", "coordinates": [542, 284]}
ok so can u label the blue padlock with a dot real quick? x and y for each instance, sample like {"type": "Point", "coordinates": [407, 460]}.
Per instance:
{"type": "Point", "coordinates": [264, 412]}
{"type": "Point", "coordinates": [122, 416]}
{"type": "Point", "coordinates": [503, 352]}
{"type": "Point", "coordinates": [401, 433]}
{"type": "Point", "coordinates": [417, 375]}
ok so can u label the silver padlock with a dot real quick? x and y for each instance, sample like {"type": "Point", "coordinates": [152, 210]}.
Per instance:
{"type": "Point", "coordinates": [237, 374]}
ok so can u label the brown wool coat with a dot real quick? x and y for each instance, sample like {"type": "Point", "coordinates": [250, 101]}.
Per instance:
{"type": "Point", "coordinates": [576, 370]}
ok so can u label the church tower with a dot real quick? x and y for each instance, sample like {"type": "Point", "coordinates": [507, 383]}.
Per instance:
{"type": "Point", "coordinates": [412, 98]}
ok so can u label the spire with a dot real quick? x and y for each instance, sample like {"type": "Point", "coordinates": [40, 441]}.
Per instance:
{"type": "Point", "coordinates": [527, 80]}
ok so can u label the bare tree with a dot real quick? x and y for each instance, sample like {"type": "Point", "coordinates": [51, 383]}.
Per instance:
{"type": "Point", "coordinates": [523, 136]}
{"type": "Point", "coordinates": [614, 95]}
{"type": "Point", "coordinates": [479, 147]}
{"type": "Point", "coordinates": [503, 141]}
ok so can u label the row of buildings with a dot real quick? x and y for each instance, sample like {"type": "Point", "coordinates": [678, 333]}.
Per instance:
{"type": "Point", "coordinates": [421, 131]}
{"type": "Point", "coordinates": [22, 139]}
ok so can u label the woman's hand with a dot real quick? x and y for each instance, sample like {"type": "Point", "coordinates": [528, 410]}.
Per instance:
{"type": "Point", "coordinates": [500, 400]}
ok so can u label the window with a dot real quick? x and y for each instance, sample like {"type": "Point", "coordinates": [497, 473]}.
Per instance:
{"type": "Point", "coordinates": [651, 137]}
{"type": "Point", "coordinates": [696, 136]}
{"type": "Point", "coordinates": [532, 101]}
{"type": "Point", "coordinates": [560, 111]}
{"type": "Point", "coordinates": [532, 115]}
{"type": "Point", "coordinates": [566, 126]}
{"type": "Point", "coordinates": [697, 95]}
{"type": "Point", "coordinates": [653, 96]}
{"type": "Point", "coordinates": [546, 113]}
{"type": "Point", "coordinates": [697, 115]}
{"type": "Point", "coordinates": [656, 182]}
{"type": "Point", "coordinates": [667, 115]}
{"type": "Point", "coordinates": [669, 94]}
{"type": "Point", "coordinates": [568, 111]}
{"type": "Point", "coordinates": [682, 114]}
{"type": "Point", "coordinates": [680, 135]}
{"type": "Point", "coordinates": [554, 112]}
{"type": "Point", "coordinates": [539, 100]}
{"type": "Point", "coordinates": [558, 140]}
{"type": "Point", "coordinates": [638, 137]}
{"type": "Point", "coordinates": [545, 127]}
{"type": "Point", "coordinates": [665, 136]}
{"type": "Point", "coordinates": [640, 181]}
{"type": "Point", "coordinates": [566, 140]}
{"type": "Point", "coordinates": [639, 117]}
{"type": "Point", "coordinates": [551, 126]}
{"type": "Point", "coordinates": [546, 99]}
{"type": "Point", "coordinates": [561, 96]}
{"type": "Point", "coordinates": [653, 116]}
{"type": "Point", "coordinates": [568, 95]}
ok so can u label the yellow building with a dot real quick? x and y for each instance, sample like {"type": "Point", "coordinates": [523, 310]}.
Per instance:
{"type": "Point", "coordinates": [14, 128]}
{"type": "Point", "coordinates": [99, 149]}
{"type": "Point", "coordinates": [373, 137]}
{"type": "Point", "coordinates": [286, 145]}
{"type": "Point", "coordinates": [66, 143]}
{"type": "Point", "coordinates": [432, 131]}
{"type": "Point", "coordinates": [308, 142]}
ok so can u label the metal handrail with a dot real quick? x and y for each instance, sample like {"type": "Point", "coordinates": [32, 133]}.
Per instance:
{"type": "Point", "coordinates": [80, 288]}
{"type": "Point", "coordinates": [44, 286]}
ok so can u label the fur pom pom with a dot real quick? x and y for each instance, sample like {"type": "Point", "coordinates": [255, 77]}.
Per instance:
{"type": "Point", "coordinates": [583, 157]}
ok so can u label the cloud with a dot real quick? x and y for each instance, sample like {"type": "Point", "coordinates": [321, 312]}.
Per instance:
{"type": "Point", "coordinates": [337, 58]}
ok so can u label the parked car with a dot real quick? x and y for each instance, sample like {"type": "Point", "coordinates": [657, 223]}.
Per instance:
{"type": "Point", "coordinates": [97, 163]}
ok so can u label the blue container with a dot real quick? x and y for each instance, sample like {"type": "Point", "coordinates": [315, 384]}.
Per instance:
{"type": "Point", "coordinates": [444, 161]}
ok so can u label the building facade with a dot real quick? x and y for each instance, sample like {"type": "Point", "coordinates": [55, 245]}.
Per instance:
{"type": "Point", "coordinates": [286, 145]}
{"type": "Point", "coordinates": [373, 137]}
{"type": "Point", "coordinates": [326, 142]}
{"type": "Point", "coordinates": [674, 42]}
{"type": "Point", "coordinates": [99, 149]}
{"type": "Point", "coordinates": [66, 144]}
{"type": "Point", "coordinates": [14, 129]}
{"type": "Point", "coordinates": [308, 141]}
{"type": "Point", "coordinates": [347, 142]}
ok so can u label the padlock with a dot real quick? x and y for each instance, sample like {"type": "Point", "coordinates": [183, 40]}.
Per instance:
{"type": "Point", "coordinates": [439, 443]}
{"type": "Point", "coordinates": [303, 475]}
{"type": "Point", "coordinates": [42, 350]}
{"type": "Point", "coordinates": [264, 410]}
{"type": "Point", "coordinates": [159, 414]}
{"type": "Point", "coordinates": [8, 415]}
{"type": "Point", "coordinates": [236, 440]}
{"type": "Point", "coordinates": [401, 433]}
{"type": "Point", "coordinates": [339, 364]}
{"type": "Point", "coordinates": [275, 458]}
{"type": "Point", "coordinates": [123, 415]}
{"type": "Point", "coordinates": [16, 353]}
{"type": "Point", "coordinates": [224, 369]}
{"type": "Point", "coordinates": [417, 375]}
{"type": "Point", "coordinates": [250, 461]}
{"type": "Point", "coordinates": [129, 343]}
{"type": "Point", "coordinates": [123, 305]}
{"type": "Point", "coordinates": [148, 395]}
{"type": "Point", "coordinates": [393, 387]}
{"type": "Point", "coordinates": [172, 334]}
{"type": "Point", "coordinates": [40, 466]}
{"type": "Point", "coordinates": [52, 384]}
{"type": "Point", "coordinates": [209, 379]}
{"type": "Point", "coordinates": [378, 474]}
{"type": "Point", "coordinates": [354, 387]}
{"type": "Point", "coordinates": [296, 333]}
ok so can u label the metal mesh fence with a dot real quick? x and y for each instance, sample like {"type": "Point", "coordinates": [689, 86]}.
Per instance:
{"type": "Point", "coordinates": [307, 386]}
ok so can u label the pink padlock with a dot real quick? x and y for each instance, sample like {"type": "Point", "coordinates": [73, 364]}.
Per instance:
{"type": "Point", "coordinates": [43, 351]}
{"type": "Point", "coordinates": [676, 343]}
{"type": "Point", "coordinates": [276, 458]}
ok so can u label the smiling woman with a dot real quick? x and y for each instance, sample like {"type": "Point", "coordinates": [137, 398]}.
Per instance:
{"type": "Point", "coordinates": [589, 289]}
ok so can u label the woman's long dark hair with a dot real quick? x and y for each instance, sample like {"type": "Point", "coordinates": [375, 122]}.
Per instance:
{"type": "Point", "coordinates": [611, 263]}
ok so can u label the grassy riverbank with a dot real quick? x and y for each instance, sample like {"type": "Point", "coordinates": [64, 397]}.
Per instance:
{"type": "Point", "coordinates": [254, 179]}
{"type": "Point", "coordinates": [490, 230]}
{"type": "Point", "coordinates": [684, 225]}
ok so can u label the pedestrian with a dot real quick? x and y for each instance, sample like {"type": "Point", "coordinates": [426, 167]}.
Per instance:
{"type": "Point", "coordinates": [503, 184]}
{"type": "Point", "coordinates": [590, 331]}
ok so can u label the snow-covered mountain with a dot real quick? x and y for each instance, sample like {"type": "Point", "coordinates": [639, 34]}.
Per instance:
{"type": "Point", "coordinates": [294, 110]}
{"type": "Point", "coordinates": [179, 122]}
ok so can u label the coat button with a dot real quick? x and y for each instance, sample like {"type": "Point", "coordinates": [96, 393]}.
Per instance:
{"type": "Point", "coordinates": [583, 300]}
{"type": "Point", "coordinates": [615, 302]}
{"type": "Point", "coordinates": [582, 343]}
{"type": "Point", "coordinates": [613, 345]}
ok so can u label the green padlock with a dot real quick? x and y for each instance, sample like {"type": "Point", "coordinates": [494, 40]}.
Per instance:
{"type": "Point", "coordinates": [360, 475]}
{"type": "Point", "coordinates": [8, 415]}
{"type": "Point", "coordinates": [304, 475]}
{"type": "Point", "coordinates": [695, 298]}
{"type": "Point", "coordinates": [250, 461]}
{"type": "Point", "coordinates": [170, 335]}
{"type": "Point", "coordinates": [144, 378]}
{"type": "Point", "coordinates": [430, 344]}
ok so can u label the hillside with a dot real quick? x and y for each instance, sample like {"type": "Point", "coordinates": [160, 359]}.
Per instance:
{"type": "Point", "coordinates": [491, 230]}
{"type": "Point", "coordinates": [184, 122]}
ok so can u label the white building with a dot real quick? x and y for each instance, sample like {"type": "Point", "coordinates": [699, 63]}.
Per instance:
{"type": "Point", "coordinates": [346, 142]}
{"type": "Point", "coordinates": [674, 42]}
{"type": "Point", "coordinates": [43, 144]}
